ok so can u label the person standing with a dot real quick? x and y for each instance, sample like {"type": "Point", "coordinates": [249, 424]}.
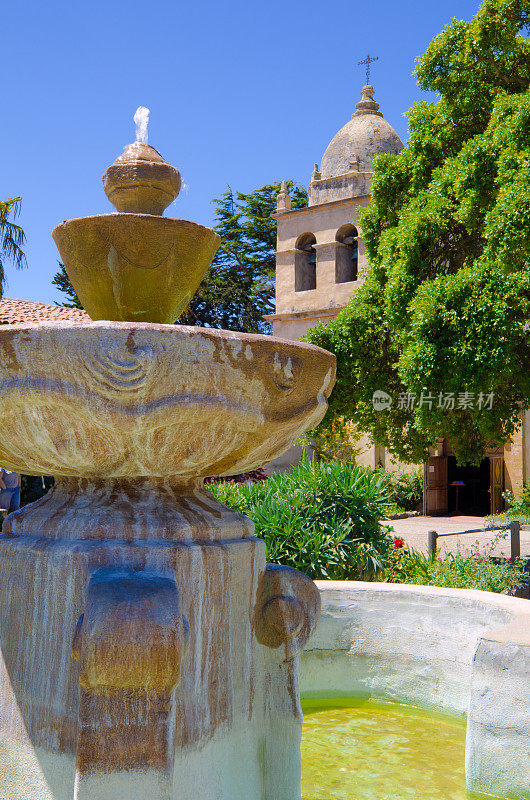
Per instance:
{"type": "Point", "coordinates": [10, 483]}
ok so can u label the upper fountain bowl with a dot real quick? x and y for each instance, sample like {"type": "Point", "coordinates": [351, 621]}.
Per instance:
{"type": "Point", "coordinates": [117, 399]}
{"type": "Point", "coordinates": [136, 265]}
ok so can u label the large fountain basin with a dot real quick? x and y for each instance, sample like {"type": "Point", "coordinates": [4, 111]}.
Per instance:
{"type": "Point", "coordinates": [135, 266]}
{"type": "Point", "coordinates": [114, 399]}
{"type": "Point", "coordinates": [461, 651]}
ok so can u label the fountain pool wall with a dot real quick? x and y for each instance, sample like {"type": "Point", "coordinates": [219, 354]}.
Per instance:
{"type": "Point", "coordinates": [455, 650]}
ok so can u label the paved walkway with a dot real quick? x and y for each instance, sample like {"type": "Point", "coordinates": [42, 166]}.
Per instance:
{"type": "Point", "coordinates": [414, 532]}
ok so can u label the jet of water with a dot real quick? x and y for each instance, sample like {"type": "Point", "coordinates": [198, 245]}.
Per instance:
{"type": "Point", "coordinates": [141, 119]}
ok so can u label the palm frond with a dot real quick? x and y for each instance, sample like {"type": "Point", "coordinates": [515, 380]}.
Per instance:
{"type": "Point", "coordinates": [12, 237]}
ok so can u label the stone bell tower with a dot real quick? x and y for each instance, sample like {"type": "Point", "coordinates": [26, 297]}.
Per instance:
{"type": "Point", "coordinates": [320, 256]}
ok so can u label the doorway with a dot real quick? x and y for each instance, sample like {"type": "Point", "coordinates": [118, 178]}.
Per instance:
{"type": "Point", "coordinates": [472, 490]}
{"type": "Point", "coordinates": [468, 487]}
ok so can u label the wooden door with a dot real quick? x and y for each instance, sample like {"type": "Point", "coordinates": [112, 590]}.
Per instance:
{"type": "Point", "coordinates": [496, 484]}
{"type": "Point", "coordinates": [435, 492]}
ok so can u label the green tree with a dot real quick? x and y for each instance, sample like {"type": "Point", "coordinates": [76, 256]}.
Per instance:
{"type": "Point", "coordinates": [238, 288]}
{"type": "Point", "coordinates": [445, 305]}
{"type": "Point", "coordinates": [12, 238]}
{"type": "Point", "coordinates": [62, 281]}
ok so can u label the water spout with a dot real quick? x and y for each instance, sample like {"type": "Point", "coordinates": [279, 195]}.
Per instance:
{"type": "Point", "coordinates": [141, 119]}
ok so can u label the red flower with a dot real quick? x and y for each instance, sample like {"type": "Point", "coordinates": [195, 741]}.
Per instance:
{"type": "Point", "coordinates": [398, 543]}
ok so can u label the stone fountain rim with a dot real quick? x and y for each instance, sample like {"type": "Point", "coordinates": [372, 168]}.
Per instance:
{"type": "Point", "coordinates": [131, 214]}
{"type": "Point", "coordinates": [213, 333]}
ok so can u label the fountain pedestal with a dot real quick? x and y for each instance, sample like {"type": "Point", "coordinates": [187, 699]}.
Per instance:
{"type": "Point", "coordinates": [169, 693]}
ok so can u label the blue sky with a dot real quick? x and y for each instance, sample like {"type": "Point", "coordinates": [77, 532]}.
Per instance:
{"type": "Point", "coordinates": [241, 93]}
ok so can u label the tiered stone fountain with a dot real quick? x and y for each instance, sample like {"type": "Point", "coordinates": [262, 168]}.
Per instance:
{"type": "Point", "coordinates": [147, 651]}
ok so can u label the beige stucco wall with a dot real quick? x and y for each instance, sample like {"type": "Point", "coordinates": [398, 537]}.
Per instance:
{"type": "Point", "coordinates": [287, 460]}
{"type": "Point", "coordinates": [368, 454]}
{"type": "Point", "coordinates": [293, 327]}
{"type": "Point", "coordinates": [516, 457]}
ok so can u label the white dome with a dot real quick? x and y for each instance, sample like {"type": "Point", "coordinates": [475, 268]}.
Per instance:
{"type": "Point", "coordinates": [362, 138]}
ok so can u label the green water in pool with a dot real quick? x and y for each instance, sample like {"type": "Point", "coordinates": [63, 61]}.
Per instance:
{"type": "Point", "coordinates": [363, 750]}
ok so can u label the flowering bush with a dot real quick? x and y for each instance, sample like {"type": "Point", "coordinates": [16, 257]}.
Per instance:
{"type": "Point", "coordinates": [322, 518]}
{"type": "Point", "coordinates": [452, 570]}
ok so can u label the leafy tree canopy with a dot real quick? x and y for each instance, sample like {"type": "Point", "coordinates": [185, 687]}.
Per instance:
{"type": "Point", "coordinates": [12, 238]}
{"type": "Point", "coordinates": [238, 288]}
{"type": "Point", "coordinates": [445, 305]}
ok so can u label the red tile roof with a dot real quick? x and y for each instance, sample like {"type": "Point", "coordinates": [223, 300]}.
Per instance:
{"type": "Point", "coordinates": [13, 312]}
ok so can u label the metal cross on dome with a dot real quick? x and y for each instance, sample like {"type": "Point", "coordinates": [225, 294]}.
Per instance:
{"type": "Point", "coordinates": [368, 60]}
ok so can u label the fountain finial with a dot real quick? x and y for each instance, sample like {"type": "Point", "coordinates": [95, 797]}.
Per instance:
{"type": "Point", "coordinates": [140, 181]}
{"type": "Point", "coordinates": [136, 265]}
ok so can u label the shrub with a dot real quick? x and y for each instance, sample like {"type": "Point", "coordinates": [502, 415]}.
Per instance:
{"type": "Point", "coordinates": [520, 503]}
{"type": "Point", "coordinates": [406, 488]}
{"type": "Point", "coordinates": [517, 508]}
{"type": "Point", "coordinates": [322, 518]}
{"type": "Point", "coordinates": [337, 442]}
{"type": "Point", "coordinates": [452, 570]}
